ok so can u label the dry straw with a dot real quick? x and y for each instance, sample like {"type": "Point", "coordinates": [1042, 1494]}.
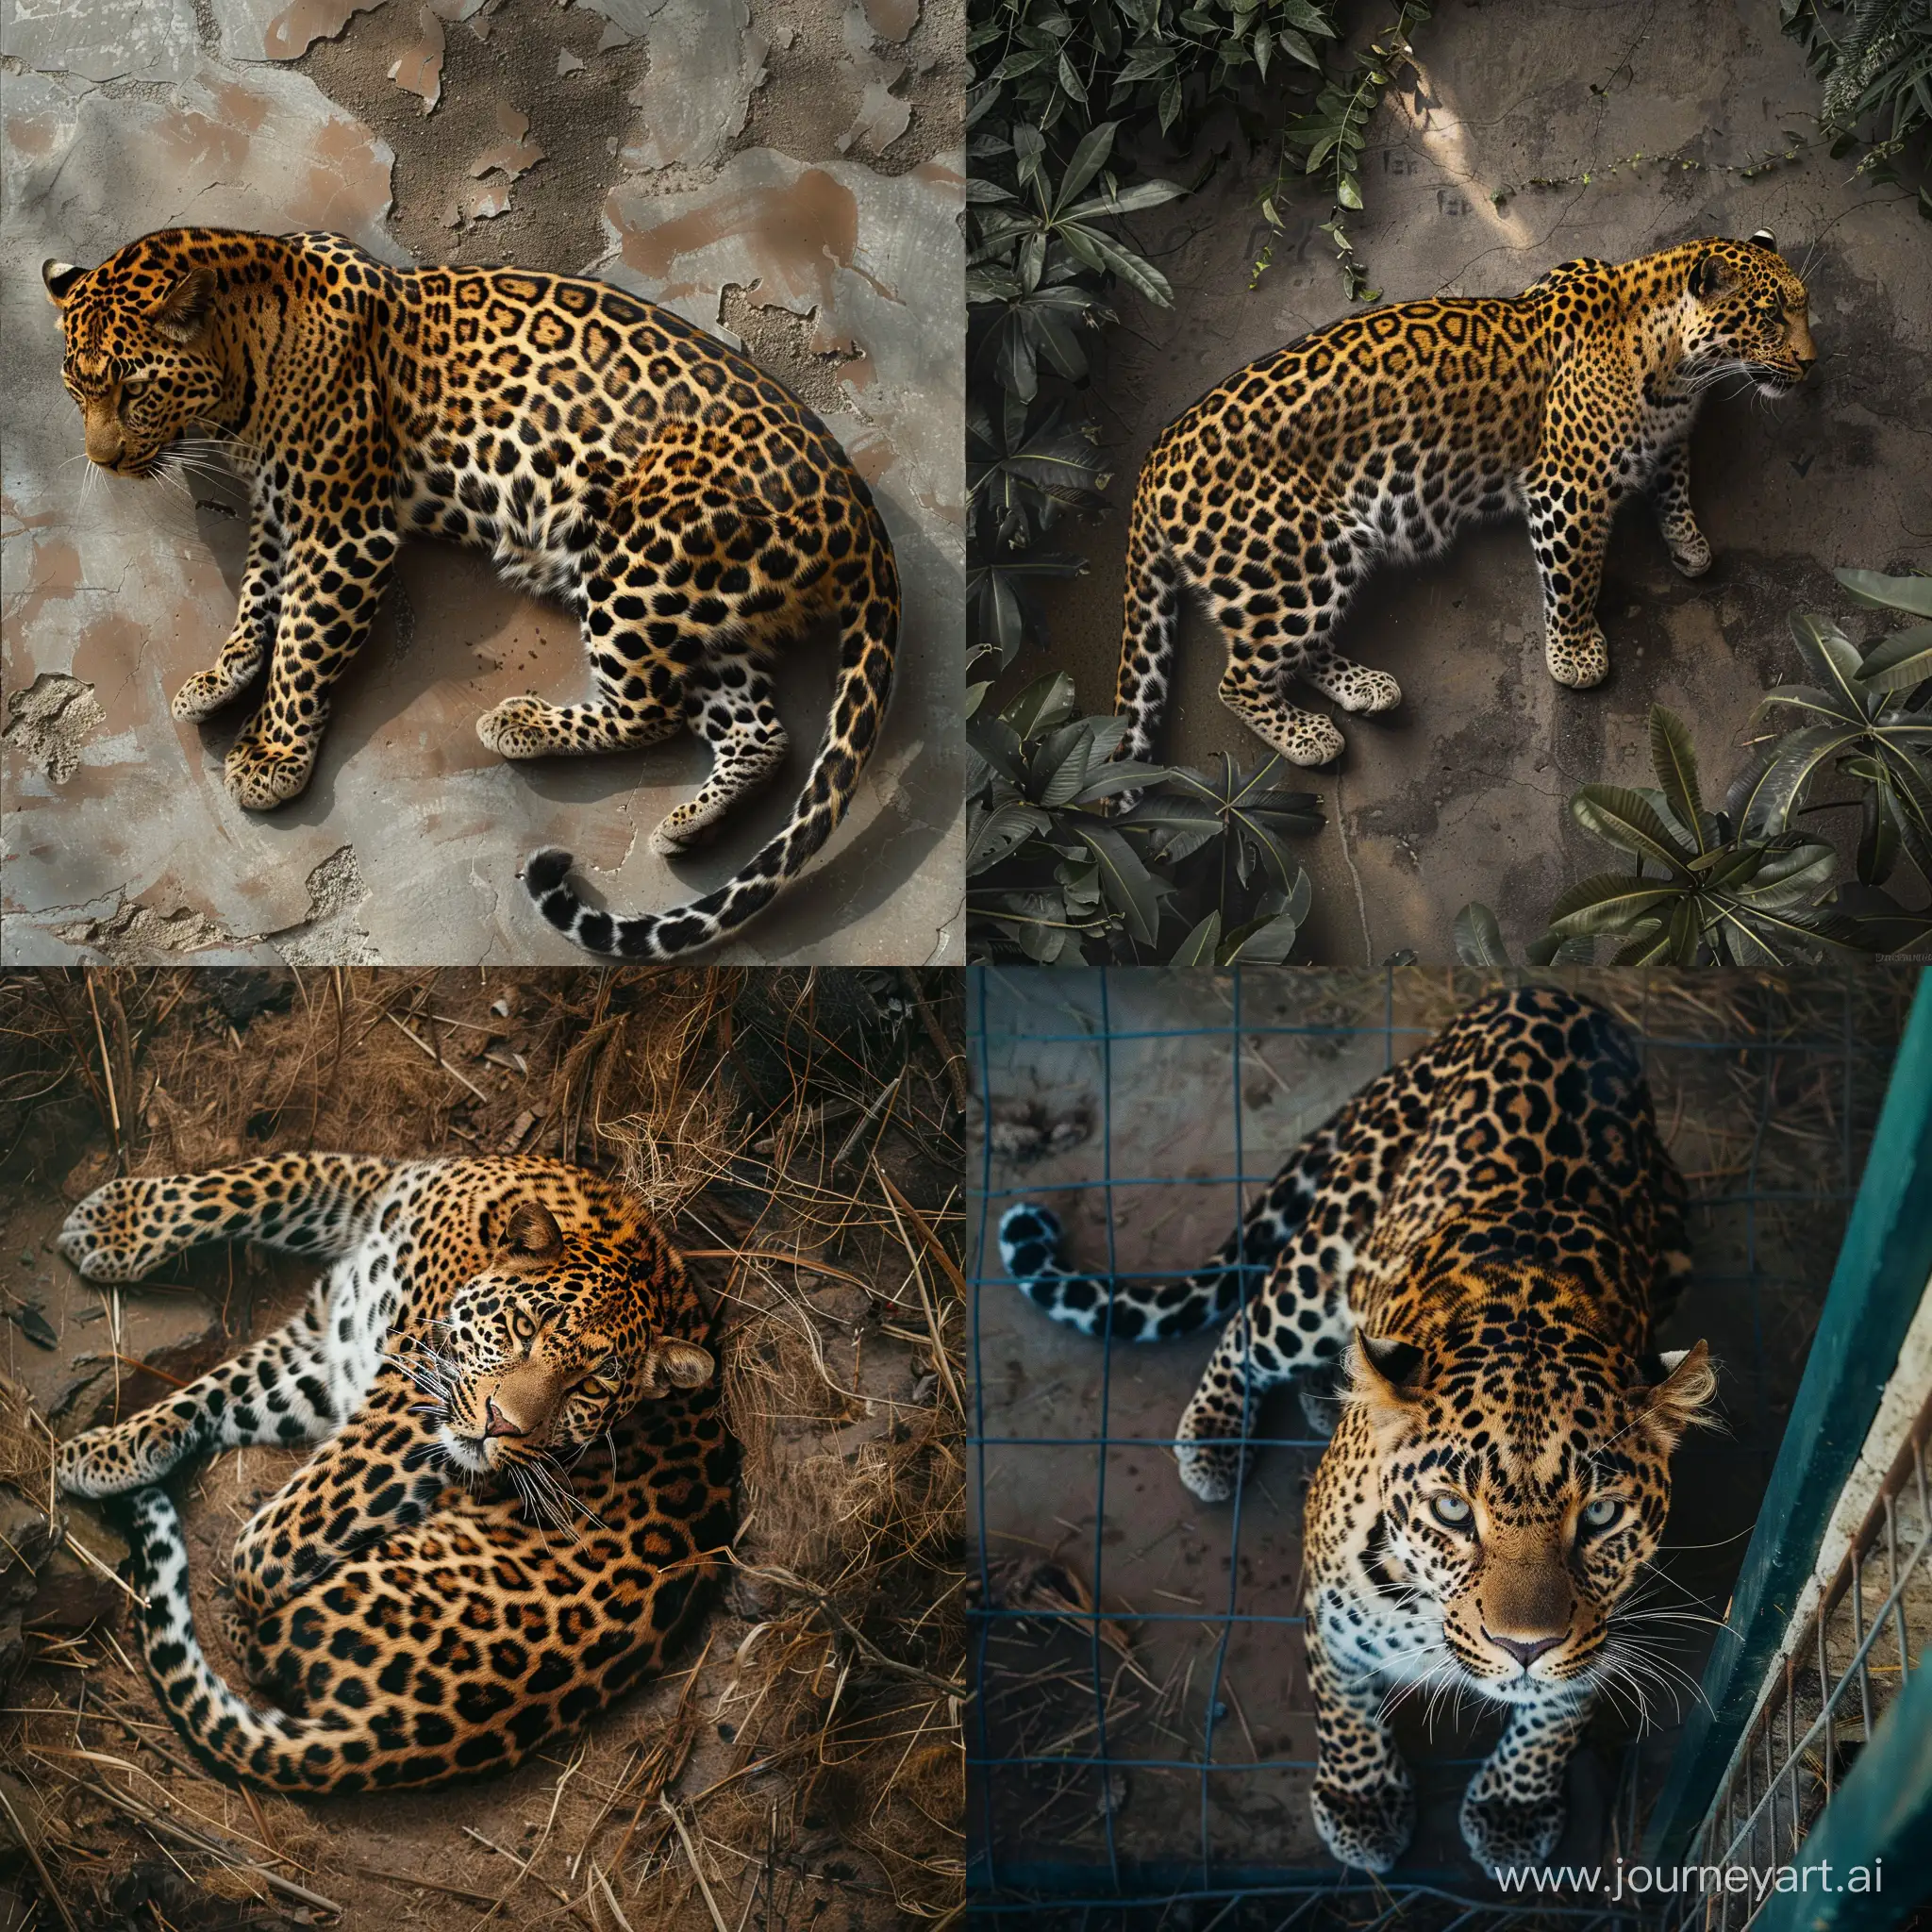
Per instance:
{"type": "Point", "coordinates": [803, 1764]}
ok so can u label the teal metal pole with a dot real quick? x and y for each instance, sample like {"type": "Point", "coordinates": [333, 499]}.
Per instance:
{"type": "Point", "coordinates": [1882, 1270]}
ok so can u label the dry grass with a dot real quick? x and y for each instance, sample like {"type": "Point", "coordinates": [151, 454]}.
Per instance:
{"type": "Point", "coordinates": [803, 1765]}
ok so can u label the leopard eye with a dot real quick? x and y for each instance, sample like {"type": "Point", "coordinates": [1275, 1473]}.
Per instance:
{"type": "Point", "coordinates": [1452, 1512]}
{"type": "Point", "coordinates": [1601, 1513]}
{"type": "Point", "coordinates": [595, 1387]}
{"type": "Point", "coordinates": [522, 1326]}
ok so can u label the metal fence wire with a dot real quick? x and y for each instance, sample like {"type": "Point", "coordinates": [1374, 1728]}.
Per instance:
{"type": "Point", "coordinates": [1142, 1725]}
{"type": "Point", "coordinates": [1842, 1669]}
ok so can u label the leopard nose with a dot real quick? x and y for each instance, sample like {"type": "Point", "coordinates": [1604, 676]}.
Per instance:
{"type": "Point", "coordinates": [496, 1423]}
{"type": "Point", "coordinates": [1524, 1653]}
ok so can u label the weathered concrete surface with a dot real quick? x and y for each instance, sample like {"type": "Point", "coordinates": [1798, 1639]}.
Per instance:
{"type": "Point", "coordinates": [1192, 1106]}
{"type": "Point", "coordinates": [1460, 793]}
{"type": "Point", "coordinates": [701, 155]}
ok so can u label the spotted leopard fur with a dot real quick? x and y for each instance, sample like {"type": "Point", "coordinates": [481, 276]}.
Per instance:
{"type": "Point", "coordinates": [1482, 1242]}
{"type": "Point", "coordinates": [1387, 432]}
{"type": "Point", "coordinates": [693, 514]}
{"type": "Point", "coordinates": [520, 1483]}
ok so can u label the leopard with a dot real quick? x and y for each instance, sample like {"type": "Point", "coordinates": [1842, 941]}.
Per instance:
{"type": "Point", "coordinates": [1388, 431]}
{"type": "Point", "coordinates": [694, 515]}
{"type": "Point", "coordinates": [1466, 1268]}
{"type": "Point", "coordinates": [521, 1487]}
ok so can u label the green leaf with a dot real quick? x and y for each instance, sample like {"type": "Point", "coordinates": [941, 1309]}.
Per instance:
{"type": "Point", "coordinates": [1608, 902]}
{"type": "Point", "coordinates": [1624, 818]}
{"type": "Point", "coordinates": [1059, 766]}
{"type": "Point", "coordinates": [1101, 252]}
{"type": "Point", "coordinates": [1002, 832]}
{"type": "Point", "coordinates": [1130, 201]}
{"type": "Point", "coordinates": [1348, 194]}
{"type": "Point", "coordinates": [1129, 887]}
{"type": "Point", "coordinates": [1795, 759]}
{"type": "Point", "coordinates": [1913, 594]}
{"type": "Point", "coordinates": [1123, 774]}
{"type": "Point", "coordinates": [1479, 937]}
{"type": "Point", "coordinates": [1197, 949]}
{"type": "Point", "coordinates": [1830, 656]}
{"type": "Point", "coordinates": [1879, 841]}
{"type": "Point", "coordinates": [1685, 931]}
{"type": "Point", "coordinates": [1901, 660]}
{"type": "Point", "coordinates": [1676, 764]}
{"type": "Point", "coordinates": [1265, 941]}
{"type": "Point", "coordinates": [1291, 42]}
{"type": "Point", "coordinates": [1046, 702]}
{"type": "Point", "coordinates": [1096, 144]}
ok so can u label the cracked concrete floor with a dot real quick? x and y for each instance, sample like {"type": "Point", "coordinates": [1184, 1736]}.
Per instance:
{"type": "Point", "coordinates": [785, 173]}
{"type": "Point", "coordinates": [1461, 792]}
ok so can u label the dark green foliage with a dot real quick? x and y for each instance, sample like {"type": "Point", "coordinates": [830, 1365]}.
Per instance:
{"type": "Point", "coordinates": [1053, 880]}
{"type": "Point", "coordinates": [1748, 886]}
{"type": "Point", "coordinates": [1874, 58]}
{"type": "Point", "coordinates": [1067, 96]}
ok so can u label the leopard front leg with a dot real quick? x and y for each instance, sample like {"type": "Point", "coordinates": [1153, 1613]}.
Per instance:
{"type": "Point", "coordinates": [1512, 1812]}
{"type": "Point", "coordinates": [1570, 529]}
{"type": "Point", "coordinates": [306, 1204]}
{"type": "Point", "coordinates": [254, 634]}
{"type": "Point", "coordinates": [343, 547]}
{"type": "Point", "coordinates": [383, 1469]}
{"type": "Point", "coordinates": [275, 1391]}
{"type": "Point", "coordinates": [1670, 497]}
{"type": "Point", "coordinates": [1364, 1797]}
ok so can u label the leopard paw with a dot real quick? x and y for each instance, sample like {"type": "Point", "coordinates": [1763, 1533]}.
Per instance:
{"type": "Point", "coordinates": [206, 691]}
{"type": "Point", "coordinates": [1213, 1470]}
{"type": "Point", "coordinates": [1365, 692]}
{"type": "Point", "coordinates": [519, 729]}
{"type": "Point", "coordinates": [103, 1238]}
{"type": "Point", "coordinates": [1689, 549]}
{"type": "Point", "coordinates": [1503, 1833]}
{"type": "Point", "coordinates": [1369, 1826]}
{"type": "Point", "coordinates": [1579, 662]}
{"type": "Point", "coordinates": [1306, 738]}
{"type": "Point", "coordinates": [109, 1461]}
{"type": "Point", "coordinates": [260, 775]}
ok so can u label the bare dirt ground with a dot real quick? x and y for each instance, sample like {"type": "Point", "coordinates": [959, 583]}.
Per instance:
{"type": "Point", "coordinates": [785, 174]}
{"type": "Point", "coordinates": [1538, 131]}
{"type": "Point", "coordinates": [1766, 1091]}
{"type": "Point", "coordinates": [800, 1765]}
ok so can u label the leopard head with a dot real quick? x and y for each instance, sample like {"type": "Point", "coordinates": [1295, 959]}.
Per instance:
{"type": "Point", "coordinates": [140, 361]}
{"type": "Point", "coordinates": [1744, 313]}
{"type": "Point", "coordinates": [560, 1334]}
{"type": "Point", "coordinates": [1524, 1479]}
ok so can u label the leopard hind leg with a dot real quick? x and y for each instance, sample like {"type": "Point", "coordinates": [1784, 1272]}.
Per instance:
{"type": "Point", "coordinates": [730, 704]}
{"type": "Point", "coordinates": [1276, 602]}
{"type": "Point", "coordinates": [637, 662]}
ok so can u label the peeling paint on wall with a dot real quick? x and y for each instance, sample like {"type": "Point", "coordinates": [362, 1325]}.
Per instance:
{"type": "Point", "coordinates": [118, 839]}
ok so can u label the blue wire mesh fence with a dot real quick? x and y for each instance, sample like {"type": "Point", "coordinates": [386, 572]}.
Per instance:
{"type": "Point", "coordinates": [1142, 1727]}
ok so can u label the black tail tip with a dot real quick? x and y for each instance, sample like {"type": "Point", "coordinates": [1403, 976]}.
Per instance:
{"type": "Point", "coordinates": [544, 871]}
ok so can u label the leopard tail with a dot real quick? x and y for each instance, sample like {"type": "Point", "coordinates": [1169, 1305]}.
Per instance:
{"type": "Point", "coordinates": [230, 1737]}
{"type": "Point", "coordinates": [864, 681]}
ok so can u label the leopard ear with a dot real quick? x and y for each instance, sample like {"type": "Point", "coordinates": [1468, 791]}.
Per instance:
{"type": "Point", "coordinates": [1681, 1383]}
{"type": "Point", "coordinates": [59, 277]}
{"type": "Point", "coordinates": [1763, 237]}
{"type": "Point", "coordinates": [673, 1364]}
{"type": "Point", "coordinates": [181, 312]}
{"type": "Point", "coordinates": [1387, 1371]}
{"type": "Point", "coordinates": [1710, 275]}
{"type": "Point", "coordinates": [531, 1232]}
